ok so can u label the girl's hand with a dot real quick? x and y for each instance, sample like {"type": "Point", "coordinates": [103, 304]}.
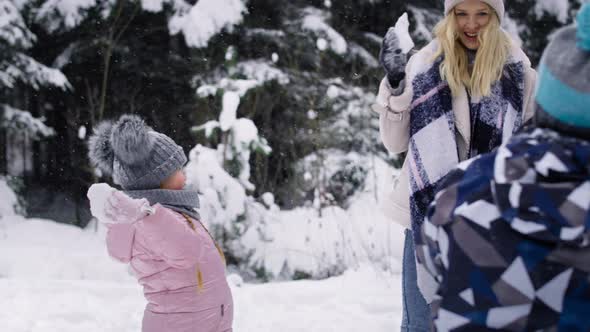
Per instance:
{"type": "Point", "coordinates": [123, 209]}
{"type": "Point", "coordinates": [392, 58]}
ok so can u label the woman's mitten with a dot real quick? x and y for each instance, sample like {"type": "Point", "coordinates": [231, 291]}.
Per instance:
{"type": "Point", "coordinates": [392, 58]}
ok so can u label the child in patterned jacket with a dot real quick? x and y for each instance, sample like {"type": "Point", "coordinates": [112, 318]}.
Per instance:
{"type": "Point", "coordinates": [508, 237]}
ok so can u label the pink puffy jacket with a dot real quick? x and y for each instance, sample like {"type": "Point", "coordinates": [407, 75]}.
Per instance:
{"type": "Point", "coordinates": [167, 256]}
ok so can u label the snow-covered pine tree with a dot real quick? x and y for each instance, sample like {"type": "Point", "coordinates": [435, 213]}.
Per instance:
{"type": "Point", "coordinates": [308, 73]}
{"type": "Point", "coordinates": [21, 76]}
{"type": "Point", "coordinates": [535, 20]}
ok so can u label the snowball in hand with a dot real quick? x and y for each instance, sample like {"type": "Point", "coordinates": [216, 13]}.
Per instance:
{"type": "Point", "coordinates": [401, 29]}
{"type": "Point", "coordinates": [98, 194]}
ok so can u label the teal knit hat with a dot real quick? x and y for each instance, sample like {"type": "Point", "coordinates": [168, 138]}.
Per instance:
{"type": "Point", "coordinates": [563, 88]}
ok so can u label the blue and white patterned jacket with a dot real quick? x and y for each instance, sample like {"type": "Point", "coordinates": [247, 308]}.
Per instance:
{"type": "Point", "coordinates": [508, 239]}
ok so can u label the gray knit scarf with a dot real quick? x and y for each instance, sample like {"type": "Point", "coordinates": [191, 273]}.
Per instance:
{"type": "Point", "coordinates": [182, 201]}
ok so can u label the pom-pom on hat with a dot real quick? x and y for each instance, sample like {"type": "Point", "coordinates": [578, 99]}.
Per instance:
{"type": "Point", "coordinates": [563, 88]}
{"type": "Point", "coordinates": [497, 5]}
{"type": "Point", "coordinates": [137, 157]}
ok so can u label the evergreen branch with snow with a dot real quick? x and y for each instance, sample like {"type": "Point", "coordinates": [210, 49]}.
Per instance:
{"type": "Point", "coordinates": [15, 119]}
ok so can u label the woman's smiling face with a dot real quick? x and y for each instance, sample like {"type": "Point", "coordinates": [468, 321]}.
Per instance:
{"type": "Point", "coordinates": [472, 17]}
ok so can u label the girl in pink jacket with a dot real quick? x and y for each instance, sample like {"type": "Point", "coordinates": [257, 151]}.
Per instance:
{"type": "Point", "coordinates": [154, 226]}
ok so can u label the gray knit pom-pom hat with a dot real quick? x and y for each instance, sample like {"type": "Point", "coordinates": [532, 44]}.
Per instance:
{"type": "Point", "coordinates": [497, 5]}
{"type": "Point", "coordinates": [137, 157]}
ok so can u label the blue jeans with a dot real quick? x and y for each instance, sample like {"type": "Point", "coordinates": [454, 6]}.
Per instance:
{"type": "Point", "coordinates": [416, 312]}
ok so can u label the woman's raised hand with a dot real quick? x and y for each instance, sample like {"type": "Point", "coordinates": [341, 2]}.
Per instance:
{"type": "Point", "coordinates": [392, 58]}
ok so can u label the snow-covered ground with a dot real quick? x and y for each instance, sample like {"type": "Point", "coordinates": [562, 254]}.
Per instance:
{"type": "Point", "coordinates": [55, 277]}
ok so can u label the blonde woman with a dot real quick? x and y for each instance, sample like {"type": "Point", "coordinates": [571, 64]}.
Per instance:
{"type": "Point", "coordinates": [461, 95]}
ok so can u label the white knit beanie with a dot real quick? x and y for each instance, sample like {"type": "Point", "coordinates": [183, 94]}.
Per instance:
{"type": "Point", "coordinates": [498, 6]}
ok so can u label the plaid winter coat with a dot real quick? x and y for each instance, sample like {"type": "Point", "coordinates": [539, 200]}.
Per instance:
{"type": "Point", "coordinates": [508, 238]}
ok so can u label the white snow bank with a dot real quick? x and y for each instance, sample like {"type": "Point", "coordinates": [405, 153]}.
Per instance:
{"type": "Point", "coordinates": [56, 277]}
{"type": "Point", "coordinates": [361, 300]}
{"type": "Point", "coordinates": [38, 248]}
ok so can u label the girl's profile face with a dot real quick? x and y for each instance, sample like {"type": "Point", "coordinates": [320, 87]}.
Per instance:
{"type": "Point", "coordinates": [472, 17]}
{"type": "Point", "coordinates": [175, 181]}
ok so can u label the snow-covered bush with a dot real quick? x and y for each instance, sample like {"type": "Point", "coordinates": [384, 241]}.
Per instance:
{"type": "Point", "coordinates": [318, 237]}
{"type": "Point", "coordinates": [347, 180]}
{"type": "Point", "coordinates": [303, 243]}
{"type": "Point", "coordinates": [225, 205]}
{"type": "Point", "coordinates": [239, 138]}
{"type": "Point", "coordinates": [331, 177]}
{"type": "Point", "coordinates": [270, 243]}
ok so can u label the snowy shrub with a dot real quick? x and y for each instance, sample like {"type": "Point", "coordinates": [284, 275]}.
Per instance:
{"type": "Point", "coordinates": [332, 176]}
{"type": "Point", "coordinates": [346, 181]}
{"type": "Point", "coordinates": [240, 138]}
{"type": "Point", "coordinates": [225, 206]}
{"type": "Point", "coordinates": [222, 175]}
{"type": "Point", "coordinates": [268, 243]}
{"type": "Point", "coordinates": [285, 244]}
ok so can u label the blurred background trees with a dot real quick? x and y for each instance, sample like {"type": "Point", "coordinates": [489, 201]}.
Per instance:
{"type": "Point", "coordinates": [281, 89]}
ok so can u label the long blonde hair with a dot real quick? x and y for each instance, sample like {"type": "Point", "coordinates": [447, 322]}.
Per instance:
{"type": "Point", "coordinates": [493, 51]}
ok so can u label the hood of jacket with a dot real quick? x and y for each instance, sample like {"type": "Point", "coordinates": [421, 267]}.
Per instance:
{"type": "Point", "coordinates": [541, 185]}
